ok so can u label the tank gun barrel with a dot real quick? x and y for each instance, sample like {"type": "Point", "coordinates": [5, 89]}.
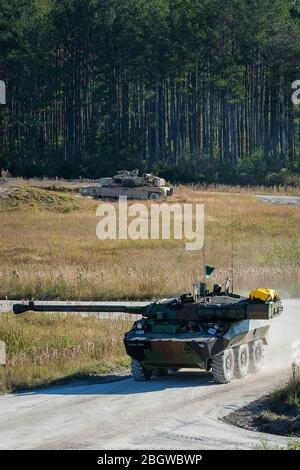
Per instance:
{"type": "Point", "coordinates": [18, 309]}
{"type": "Point", "coordinates": [174, 310]}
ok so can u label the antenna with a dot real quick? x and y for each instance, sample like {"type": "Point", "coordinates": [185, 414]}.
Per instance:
{"type": "Point", "coordinates": [232, 245]}
{"type": "Point", "coordinates": [203, 261]}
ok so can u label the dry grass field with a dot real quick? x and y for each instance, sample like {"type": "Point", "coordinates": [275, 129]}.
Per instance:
{"type": "Point", "coordinates": [49, 250]}
{"type": "Point", "coordinates": [42, 349]}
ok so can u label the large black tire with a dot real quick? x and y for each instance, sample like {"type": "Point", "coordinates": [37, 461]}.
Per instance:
{"type": "Point", "coordinates": [223, 366]}
{"type": "Point", "coordinates": [241, 361]}
{"type": "Point", "coordinates": [139, 372]}
{"type": "Point", "coordinates": [154, 196]}
{"type": "Point", "coordinates": [256, 354]}
{"type": "Point", "coordinates": [161, 372]}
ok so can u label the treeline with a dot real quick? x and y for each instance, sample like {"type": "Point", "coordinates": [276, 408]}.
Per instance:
{"type": "Point", "coordinates": [197, 90]}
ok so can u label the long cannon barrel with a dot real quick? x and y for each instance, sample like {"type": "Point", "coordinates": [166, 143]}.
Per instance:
{"type": "Point", "coordinates": [221, 308]}
{"type": "Point", "coordinates": [31, 306]}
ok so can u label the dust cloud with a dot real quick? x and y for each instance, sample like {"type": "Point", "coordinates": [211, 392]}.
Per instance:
{"type": "Point", "coordinates": [284, 338]}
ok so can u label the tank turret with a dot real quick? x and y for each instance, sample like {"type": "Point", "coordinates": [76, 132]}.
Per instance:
{"type": "Point", "coordinates": [130, 184]}
{"type": "Point", "coordinates": [226, 307]}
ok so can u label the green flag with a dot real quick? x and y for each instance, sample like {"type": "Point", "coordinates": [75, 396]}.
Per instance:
{"type": "Point", "coordinates": [208, 271]}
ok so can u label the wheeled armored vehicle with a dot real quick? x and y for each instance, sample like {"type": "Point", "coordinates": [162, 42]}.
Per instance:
{"type": "Point", "coordinates": [217, 331]}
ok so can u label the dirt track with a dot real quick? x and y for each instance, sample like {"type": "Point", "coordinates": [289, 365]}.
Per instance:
{"type": "Point", "coordinates": [285, 200]}
{"type": "Point", "coordinates": [178, 411]}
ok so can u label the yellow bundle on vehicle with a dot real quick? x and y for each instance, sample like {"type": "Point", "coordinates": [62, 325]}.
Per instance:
{"type": "Point", "coordinates": [264, 295]}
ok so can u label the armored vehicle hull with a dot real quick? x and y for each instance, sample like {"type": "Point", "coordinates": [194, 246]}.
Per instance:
{"type": "Point", "coordinates": [225, 335]}
{"type": "Point", "coordinates": [209, 351]}
{"type": "Point", "coordinates": [141, 192]}
{"type": "Point", "coordinates": [189, 350]}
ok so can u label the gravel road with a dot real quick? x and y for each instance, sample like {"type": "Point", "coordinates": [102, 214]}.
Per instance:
{"type": "Point", "coordinates": [182, 410]}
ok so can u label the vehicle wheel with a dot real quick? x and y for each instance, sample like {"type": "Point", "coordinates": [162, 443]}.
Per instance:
{"type": "Point", "coordinates": [223, 366]}
{"type": "Point", "coordinates": [241, 360]}
{"type": "Point", "coordinates": [154, 196]}
{"type": "Point", "coordinates": [161, 372]}
{"type": "Point", "coordinates": [139, 372]}
{"type": "Point", "coordinates": [256, 353]}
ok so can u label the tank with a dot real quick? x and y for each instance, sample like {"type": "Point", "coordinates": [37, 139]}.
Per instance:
{"type": "Point", "coordinates": [130, 184]}
{"type": "Point", "coordinates": [220, 332]}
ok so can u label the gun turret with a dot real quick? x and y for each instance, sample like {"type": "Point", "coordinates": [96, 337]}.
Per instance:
{"type": "Point", "coordinates": [225, 308]}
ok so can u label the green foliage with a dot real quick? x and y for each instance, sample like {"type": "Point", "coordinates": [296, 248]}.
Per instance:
{"type": "Point", "coordinates": [252, 168]}
{"type": "Point", "coordinates": [249, 170]}
{"type": "Point", "coordinates": [289, 394]}
{"type": "Point", "coordinates": [198, 88]}
{"type": "Point", "coordinates": [294, 445]}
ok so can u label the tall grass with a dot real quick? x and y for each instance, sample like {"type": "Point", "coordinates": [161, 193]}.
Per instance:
{"type": "Point", "coordinates": [289, 394]}
{"type": "Point", "coordinates": [44, 348]}
{"type": "Point", "coordinates": [49, 250]}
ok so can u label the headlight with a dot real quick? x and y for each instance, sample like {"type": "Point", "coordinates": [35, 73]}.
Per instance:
{"type": "Point", "coordinates": [139, 326]}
